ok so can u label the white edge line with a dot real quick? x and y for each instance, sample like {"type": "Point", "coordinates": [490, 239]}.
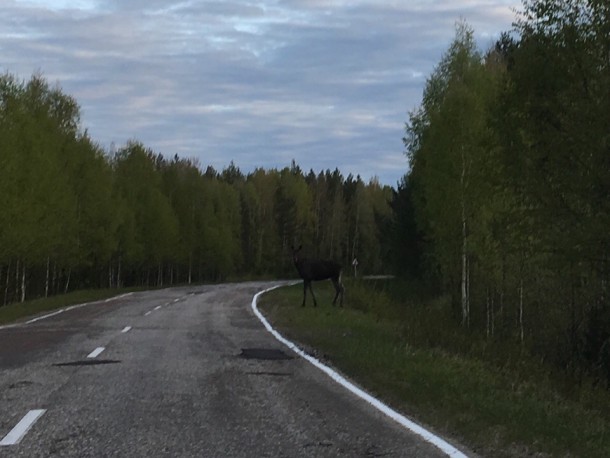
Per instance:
{"type": "Point", "coordinates": [95, 353]}
{"type": "Point", "coordinates": [126, 329]}
{"type": "Point", "coordinates": [438, 442]}
{"type": "Point", "coordinates": [21, 428]}
{"type": "Point", "coordinates": [57, 312]}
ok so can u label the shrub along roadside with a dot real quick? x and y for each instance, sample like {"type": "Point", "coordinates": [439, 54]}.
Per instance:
{"type": "Point", "coordinates": [508, 409]}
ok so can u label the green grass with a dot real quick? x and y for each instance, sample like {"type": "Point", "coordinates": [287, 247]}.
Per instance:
{"type": "Point", "coordinates": [499, 410]}
{"type": "Point", "coordinates": [17, 311]}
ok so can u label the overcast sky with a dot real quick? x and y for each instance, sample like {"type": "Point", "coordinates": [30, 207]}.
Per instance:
{"type": "Point", "coordinates": [328, 83]}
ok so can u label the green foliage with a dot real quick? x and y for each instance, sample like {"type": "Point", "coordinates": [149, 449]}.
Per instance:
{"type": "Point", "coordinates": [510, 182]}
{"type": "Point", "coordinates": [74, 217]}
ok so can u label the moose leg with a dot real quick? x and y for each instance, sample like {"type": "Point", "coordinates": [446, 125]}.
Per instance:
{"type": "Point", "coordinates": [315, 304]}
{"type": "Point", "coordinates": [339, 289]}
{"type": "Point", "coordinates": [304, 292]}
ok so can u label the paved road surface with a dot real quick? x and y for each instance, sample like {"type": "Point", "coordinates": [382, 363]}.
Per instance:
{"type": "Point", "coordinates": [183, 372]}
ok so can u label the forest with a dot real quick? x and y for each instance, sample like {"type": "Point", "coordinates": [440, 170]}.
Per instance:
{"type": "Point", "coordinates": [507, 200]}
{"type": "Point", "coordinates": [504, 208]}
{"type": "Point", "coordinates": [76, 216]}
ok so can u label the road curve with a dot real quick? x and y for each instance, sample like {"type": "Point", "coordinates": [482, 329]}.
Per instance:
{"type": "Point", "coordinates": [180, 372]}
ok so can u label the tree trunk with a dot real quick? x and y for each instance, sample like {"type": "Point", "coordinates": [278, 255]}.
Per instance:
{"type": "Point", "coordinates": [190, 267]}
{"type": "Point", "coordinates": [493, 316]}
{"type": "Point", "coordinates": [573, 321]}
{"type": "Point", "coordinates": [521, 331]}
{"type": "Point", "coordinates": [488, 316]}
{"type": "Point", "coordinates": [118, 273]}
{"type": "Point", "coordinates": [54, 279]}
{"type": "Point", "coordinates": [23, 284]}
{"type": "Point", "coordinates": [8, 273]}
{"type": "Point", "coordinates": [16, 295]}
{"type": "Point", "coordinates": [356, 233]}
{"type": "Point", "coordinates": [465, 273]}
{"type": "Point", "coordinates": [46, 281]}
{"type": "Point", "coordinates": [502, 287]}
{"type": "Point", "coordinates": [604, 271]}
{"type": "Point", "coordinates": [68, 280]}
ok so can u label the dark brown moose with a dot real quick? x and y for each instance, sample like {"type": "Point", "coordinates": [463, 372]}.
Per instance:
{"type": "Point", "coordinates": [315, 270]}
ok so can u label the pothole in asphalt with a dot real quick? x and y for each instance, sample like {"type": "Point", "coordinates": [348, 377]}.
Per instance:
{"type": "Point", "coordinates": [93, 362]}
{"type": "Point", "coordinates": [269, 354]}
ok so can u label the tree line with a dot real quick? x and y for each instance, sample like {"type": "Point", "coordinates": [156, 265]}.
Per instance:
{"type": "Point", "coordinates": [505, 207]}
{"type": "Point", "coordinates": [507, 200]}
{"type": "Point", "coordinates": [76, 216]}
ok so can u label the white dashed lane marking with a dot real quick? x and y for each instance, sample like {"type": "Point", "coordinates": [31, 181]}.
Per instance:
{"type": "Point", "coordinates": [17, 433]}
{"type": "Point", "coordinates": [95, 353]}
{"type": "Point", "coordinates": [20, 430]}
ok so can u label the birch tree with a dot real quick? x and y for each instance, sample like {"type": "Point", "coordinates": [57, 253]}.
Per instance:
{"type": "Point", "coordinates": [445, 146]}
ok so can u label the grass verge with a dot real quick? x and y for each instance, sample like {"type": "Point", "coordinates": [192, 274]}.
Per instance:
{"type": "Point", "coordinates": [501, 411]}
{"type": "Point", "coordinates": [17, 311]}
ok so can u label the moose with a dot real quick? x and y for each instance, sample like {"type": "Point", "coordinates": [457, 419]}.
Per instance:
{"type": "Point", "coordinates": [315, 270]}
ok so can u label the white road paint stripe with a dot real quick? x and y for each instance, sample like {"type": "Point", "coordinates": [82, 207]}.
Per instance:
{"type": "Point", "coordinates": [176, 300]}
{"type": "Point", "coordinates": [20, 430]}
{"type": "Point", "coordinates": [77, 306]}
{"type": "Point", "coordinates": [48, 315]}
{"type": "Point", "coordinates": [148, 313]}
{"type": "Point", "coordinates": [95, 353]}
{"type": "Point", "coordinates": [426, 435]}
{"type": "Point", "coordinates": [57, 312]}
{"type": "Point", "coordinates": [157, 307]}
{"type": "Point", "coordinates": [126, 329]}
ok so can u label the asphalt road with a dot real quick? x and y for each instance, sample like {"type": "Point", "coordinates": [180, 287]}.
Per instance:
{"type": "Point", "coordinates": [182, 372]}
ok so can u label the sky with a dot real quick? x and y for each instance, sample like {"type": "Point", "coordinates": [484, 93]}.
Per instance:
{"type": "Point", "coordinates": [326, 83]}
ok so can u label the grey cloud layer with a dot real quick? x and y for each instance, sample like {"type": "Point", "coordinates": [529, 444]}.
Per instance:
{"type": "Point", "coordinates": [328, 83]}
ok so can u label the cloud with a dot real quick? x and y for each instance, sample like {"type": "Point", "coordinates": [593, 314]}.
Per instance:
{"type": "Point", "coordinates": [327, 83]}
